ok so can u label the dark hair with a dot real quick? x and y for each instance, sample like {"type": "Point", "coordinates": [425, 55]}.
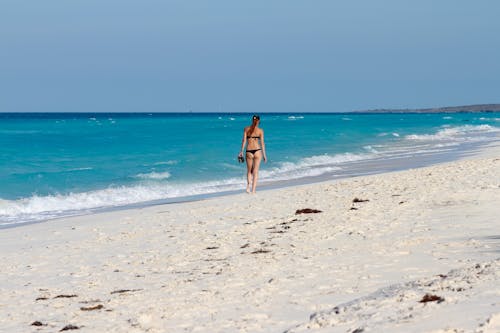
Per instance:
{"type": "Point", "coordinates": [255, 120]}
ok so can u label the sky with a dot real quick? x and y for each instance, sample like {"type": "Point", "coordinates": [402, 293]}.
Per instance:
{"type": "Point", "coordinates": [247, 56]}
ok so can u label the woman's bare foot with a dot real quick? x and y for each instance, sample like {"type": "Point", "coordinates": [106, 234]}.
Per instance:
{"type": "Point", "coordinates": [248, 188]}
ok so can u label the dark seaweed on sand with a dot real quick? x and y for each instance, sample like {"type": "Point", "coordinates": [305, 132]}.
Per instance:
{"type": "Point", "coordinates": [307, 211]}
{"type": "Point", "coordinates": [431, 298]}
{"type": "Point", "coordinates": [92, 308]}
{"type": "Point", "coordinates": [69, 327]}
{"type": "Point", "coordinates": [121, 291]}
{"type": "Point", "coordinates": [38, 323]}
{"type": "Point", "coordinates": [260, 251]}
{"type": "Point", "coordinates": [65, 296]}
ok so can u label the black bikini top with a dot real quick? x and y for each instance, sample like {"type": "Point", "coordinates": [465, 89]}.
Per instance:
{"type": "Point", "coordinates": [253, 137]}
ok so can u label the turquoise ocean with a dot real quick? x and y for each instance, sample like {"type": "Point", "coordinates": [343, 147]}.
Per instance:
{"type": "Point", "coordinates": [56, 164]}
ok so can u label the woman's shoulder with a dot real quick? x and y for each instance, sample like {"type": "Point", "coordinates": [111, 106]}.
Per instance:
{"type": "Point", "coordinates": [257, 131]}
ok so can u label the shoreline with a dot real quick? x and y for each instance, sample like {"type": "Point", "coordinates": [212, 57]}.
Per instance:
{"type": "Point", "coordinates": [251, 264]}
{"type": "Point", "coordinates": [360, 168]}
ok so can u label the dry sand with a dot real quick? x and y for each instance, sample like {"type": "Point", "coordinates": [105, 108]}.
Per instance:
{"type": "Point", "coordinates": [246, 263]}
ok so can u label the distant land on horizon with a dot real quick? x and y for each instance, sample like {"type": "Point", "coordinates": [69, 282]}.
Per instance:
{"type": "Point", "coordinates": [447, 109]}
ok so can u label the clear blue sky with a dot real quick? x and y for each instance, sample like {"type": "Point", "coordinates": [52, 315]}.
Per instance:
{"type": "Point", "coordinates": [246, 56]}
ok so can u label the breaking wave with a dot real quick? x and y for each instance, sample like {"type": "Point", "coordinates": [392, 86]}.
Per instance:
{"type": "Point", "coordinates": [459, 133]}
{"type": "Point", "coordinates": [153, 175]}
{"type": "Point", "coordinates": [36, 208]}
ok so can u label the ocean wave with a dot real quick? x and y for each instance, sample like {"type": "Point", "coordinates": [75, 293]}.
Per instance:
{"type": "Point", "coordinates": [408, 153]}
{"type": "Point", "coordinates": [38, 208]}
{"type": "Point", "coordinates": [371, 149]}
{"type": "Point", "coordinates": [456, 133]}
{"type": "Point", "coordinates": [81, 169]}
{"type": "Point", "coordinates": [154, 175]}
{"type": "Point", "coordinates": [295, 117]}
{"type": "Point", "coordinates": [386, 134]}
{"type": "Point", "coordinates": [311, 166]}
{"type": "Point", "coordinates": [231, 166]}
{"type": "Point", "coordinates": [42, 173]}
{"type": "Point", "coordinates": [42, 207]}
{"type": "Point", "coordinates": [171, 162]}
{"type": "Point", "coordinates": [335, 159]}
{"type": "Point", "coordinates": [290, 171]}
{"type": "Point", "coordinates": [21, 132]}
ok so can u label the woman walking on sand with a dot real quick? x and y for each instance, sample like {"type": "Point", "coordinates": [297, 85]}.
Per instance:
{"type": "Point", "coordinates": [255, 151]}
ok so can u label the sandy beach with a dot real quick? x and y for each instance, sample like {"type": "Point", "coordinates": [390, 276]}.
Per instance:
{"type": "Point", "coordinates": [410, 251]}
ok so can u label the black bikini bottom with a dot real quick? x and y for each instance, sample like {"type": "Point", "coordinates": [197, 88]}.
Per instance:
{"type": "Point", "coordinates": [253, 151]}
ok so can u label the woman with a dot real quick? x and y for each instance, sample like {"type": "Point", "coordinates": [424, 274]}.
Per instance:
{"type": "Point", "coordinates": [255, 152]}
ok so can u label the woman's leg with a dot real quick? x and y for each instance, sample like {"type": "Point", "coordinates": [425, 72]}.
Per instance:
{"type": "Point", "coordinates": [257, 157]}
{"type": "Point", "coordinates": [249, 158]}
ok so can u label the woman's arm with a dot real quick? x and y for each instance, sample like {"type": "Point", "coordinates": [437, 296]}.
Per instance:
{"type": "Point", "coordinates": [263, 146]}
{"type": "Point", "coordinates": [243, 142]}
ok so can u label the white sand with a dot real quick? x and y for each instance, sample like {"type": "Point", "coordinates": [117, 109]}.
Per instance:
{"type": "Point", "coordinates": [247, 263]}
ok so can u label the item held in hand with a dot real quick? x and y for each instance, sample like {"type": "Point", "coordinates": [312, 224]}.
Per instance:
{"type": "Point", "coordinates": [241, 159]}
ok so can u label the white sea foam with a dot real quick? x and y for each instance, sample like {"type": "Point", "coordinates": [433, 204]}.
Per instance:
{"type": "Point", "coordinates": [386, 134]}
{"type": "Point", "coordinates": [153, 175]}
{"type": "Point", "coordinates": [171, 162]}
{"type": "Point", "coordinates": [81, 169]}
{"type": "Point", "coordinates": [459, 133]}
{"type": "Point", "coordinates": [371, 149]}
{"type": "Point", "coordinates": [295, 117]}
{"type": "Point", "coordinates": [447, 144]}
{"type": "Point", "coordinates": [37, 208]}
{"type": "Point", "coordinates": [403, 154]}
{"type": "Point", "coordinates": [40, 207]}
{"type": "Point", "coordinates": [43, 207]}
{"type": "Point", "coordinates": [311, 166]}
{"type": "Point", "coordinates": [287, 171]}
{"type": "Point", "coordinates": [335, 159]}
